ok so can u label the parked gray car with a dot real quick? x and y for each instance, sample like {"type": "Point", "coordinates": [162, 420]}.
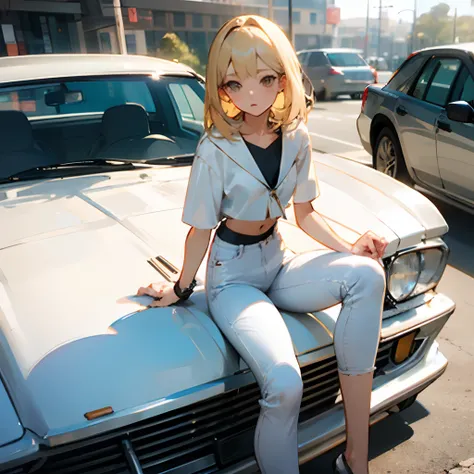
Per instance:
{"type": "Point", "coordinates": [95, 158]}
{"type": "Point", "coordinates": [336, 72]}
{"type": "Point", "coordinates": [420, 126]}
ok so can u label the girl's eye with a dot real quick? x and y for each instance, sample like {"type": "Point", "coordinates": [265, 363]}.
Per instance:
{"type": "Point", "coordinates": [234, 86]}
{"type": "Point", "coordinates": [267, 81]}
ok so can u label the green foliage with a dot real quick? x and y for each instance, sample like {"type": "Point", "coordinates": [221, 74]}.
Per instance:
{"type": "Point", "coordinates": [174, 49]}
{"type": "Point", "coordinates": [437, 27]}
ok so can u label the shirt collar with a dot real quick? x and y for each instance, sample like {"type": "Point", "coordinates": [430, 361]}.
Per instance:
{"type": "Point", "coordinates": [239, 153]}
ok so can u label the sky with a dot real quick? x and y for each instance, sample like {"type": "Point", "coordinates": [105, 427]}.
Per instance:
{"type": "Point", "coordinates": [353, 8]}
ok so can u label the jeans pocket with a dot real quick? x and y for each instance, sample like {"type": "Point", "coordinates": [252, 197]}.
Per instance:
{"type": "Point", "coordinates": [225, 254]}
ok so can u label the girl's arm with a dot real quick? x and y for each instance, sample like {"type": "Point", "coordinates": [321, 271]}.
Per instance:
{"type": "Point", "coordinates": [316, 227]}
{"type": "Point", "coordinates": [195, 248]}
{"type": "Point", "coordinates": [369, 245]}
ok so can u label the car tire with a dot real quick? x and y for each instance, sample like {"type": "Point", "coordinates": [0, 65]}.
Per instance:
{"type": "Point", "coordinates": [388, 156]}
{"type": "Point", "coordinates": [357, 96]}
{"type": "Point", "coordinates": [321, 95]}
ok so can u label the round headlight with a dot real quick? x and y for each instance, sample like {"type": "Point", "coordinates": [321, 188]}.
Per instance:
{"type": "Point", "coordinates": [404, 275]}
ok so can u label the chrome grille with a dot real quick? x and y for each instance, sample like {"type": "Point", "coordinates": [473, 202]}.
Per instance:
{"type": "Point", "coordinates": [185, 437]}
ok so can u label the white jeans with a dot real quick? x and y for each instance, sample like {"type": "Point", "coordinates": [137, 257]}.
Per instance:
{"type": "Point", "coordinates": [246, 283]}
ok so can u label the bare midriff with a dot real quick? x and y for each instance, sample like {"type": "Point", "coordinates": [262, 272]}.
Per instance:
{"type": "Point", "coordinates": [250, 227]}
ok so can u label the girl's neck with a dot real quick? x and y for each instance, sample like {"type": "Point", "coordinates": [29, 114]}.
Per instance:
{"type": "Point", "coordinates": [255, 125]}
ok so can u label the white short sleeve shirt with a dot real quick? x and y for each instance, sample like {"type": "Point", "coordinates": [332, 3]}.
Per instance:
{"type": "Point", "coordinates": [225, 181]}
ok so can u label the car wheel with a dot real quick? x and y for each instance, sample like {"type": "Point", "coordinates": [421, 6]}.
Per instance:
{"type": "Point", "coordinates": [388, 156]}
{"type": "Point", "coordinates": [356, 96]}
{"type": "Point", "coordinates": [320, 96]}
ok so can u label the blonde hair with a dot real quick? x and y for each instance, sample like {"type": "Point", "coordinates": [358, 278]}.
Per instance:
{"type": "Point", "coordinates": [240, 42]}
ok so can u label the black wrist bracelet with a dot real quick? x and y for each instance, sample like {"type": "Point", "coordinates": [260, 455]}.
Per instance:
{"type": "Point", "coordinates": [186, 293]}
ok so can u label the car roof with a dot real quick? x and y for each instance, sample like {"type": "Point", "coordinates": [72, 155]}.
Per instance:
{"type": "Point", "coordinates": [469, 47]}
{"type": "Point", "coordinates": [49, 66]}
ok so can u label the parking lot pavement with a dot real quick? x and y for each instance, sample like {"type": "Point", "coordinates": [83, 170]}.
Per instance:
{"type": "Point", "coordinates": [332, 126]}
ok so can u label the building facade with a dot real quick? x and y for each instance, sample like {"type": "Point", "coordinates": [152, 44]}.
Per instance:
{"type": "Point", "coordinates": [55, 26]}
{"type": "Point", "coordinates": [40, 27]}
{"type": "Point", "coordinates": [394, 38]}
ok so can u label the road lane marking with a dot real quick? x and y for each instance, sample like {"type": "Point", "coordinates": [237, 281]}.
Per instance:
{"type": "Point", "coordinates": [342, 142]}
{"type": "Point", "coordinates": [333, 119]}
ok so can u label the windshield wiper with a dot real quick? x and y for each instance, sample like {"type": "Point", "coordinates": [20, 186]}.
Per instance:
{"type": "Point", "coordinates": [38, 171]}
{"type": "Point", "coordinates": [183, 160]}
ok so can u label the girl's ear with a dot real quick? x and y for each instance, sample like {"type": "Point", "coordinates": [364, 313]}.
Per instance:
{"type": "Point", "coordinates": [282, 82]}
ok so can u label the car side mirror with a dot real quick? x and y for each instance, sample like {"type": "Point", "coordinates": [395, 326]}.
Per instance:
{"type": "Point", "coordinates": [460, 111]}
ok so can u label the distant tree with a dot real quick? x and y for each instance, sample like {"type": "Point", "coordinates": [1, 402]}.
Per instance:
{"type": "Point", "coordinates": [437, 27]}
{"type": "Point", "coordinates": [465, 29]}
{"type": "Point", "coordinates": [434, 25]}
{"type": "Point", "coordinates": [174, 49]}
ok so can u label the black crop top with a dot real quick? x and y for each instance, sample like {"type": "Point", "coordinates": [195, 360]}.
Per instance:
{"type": "Point", "coordinates": [268, 160]}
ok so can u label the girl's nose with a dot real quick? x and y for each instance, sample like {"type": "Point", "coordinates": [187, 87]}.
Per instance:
{"type": "Point", "coordinates": [251, 92]}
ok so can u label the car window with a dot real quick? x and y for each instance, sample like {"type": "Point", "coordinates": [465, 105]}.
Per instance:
{"type": "Point", "coordinates": [406, 75]}
{"type": "Point", "coordinates": [66, 119]}
{"type": "Point", "coordinates": [464, 89]}
{"type": "Point", "coordinates": [90, 96]}
{"type": "Point", "coordinates": [424, 79]}
{"type": "Point", "coordinates": [302, 57]}
{"type": "Point", "coordinates": [317, 59]}
{"type": "Point", "coordinates": [468, 90]}
{"type": "Point", "coordinates": [346, 59]}
{"type": "Point", "coordinates": [438, 90]}
{"type": "Point", "coordinates": [189, 103]}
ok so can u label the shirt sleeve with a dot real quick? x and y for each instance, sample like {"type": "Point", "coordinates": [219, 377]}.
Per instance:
{"type": "Point", "coordinates": [307, 188]}
{"type": "Point", "coordinates": [202, 205]}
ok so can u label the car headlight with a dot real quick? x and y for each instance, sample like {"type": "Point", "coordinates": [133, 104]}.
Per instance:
{"type": "Point", "coordinates": [415, 272]}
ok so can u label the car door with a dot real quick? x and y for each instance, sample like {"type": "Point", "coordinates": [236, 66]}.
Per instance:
{"type": "Point", "coordinates": [455, 143]}
{"type": "Point", "coordinates": [417, 114]}
{"type": "Point", "coordinates": [317, 69]}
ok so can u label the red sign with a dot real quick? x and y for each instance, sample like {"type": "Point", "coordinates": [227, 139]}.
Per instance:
{"type": "Point", "coordinates": [333, 16]}
{"type": "Point", "coordinates": [132, 15]}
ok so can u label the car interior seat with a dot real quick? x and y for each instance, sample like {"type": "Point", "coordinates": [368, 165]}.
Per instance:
{"type": "Point", "coordinates": [18, 150]}
{"type": "Point", "coordinates": [125, 134]}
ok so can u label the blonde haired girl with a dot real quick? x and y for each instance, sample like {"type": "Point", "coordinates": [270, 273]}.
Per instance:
{"type": "Point", "coordinates": [253, 160]}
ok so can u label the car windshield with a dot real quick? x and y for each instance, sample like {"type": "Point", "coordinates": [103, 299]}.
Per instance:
{"type": "Point", "coordinates": [98, 119]}
{"type": "Point", "coordinates": [346, 59]}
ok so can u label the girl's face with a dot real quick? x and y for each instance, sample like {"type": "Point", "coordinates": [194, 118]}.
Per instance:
{"type": "Point", "coordinates": [253, 95]}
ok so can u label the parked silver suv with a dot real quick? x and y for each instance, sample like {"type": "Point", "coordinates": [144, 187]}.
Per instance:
{"type": "Point", "coordinates": [336, 72]}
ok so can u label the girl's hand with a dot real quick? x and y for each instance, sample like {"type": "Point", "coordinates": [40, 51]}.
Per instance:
{"type": "Point", "coordinates": [370, 245]}
{"type": "Point", "coordinates": [163, 293]}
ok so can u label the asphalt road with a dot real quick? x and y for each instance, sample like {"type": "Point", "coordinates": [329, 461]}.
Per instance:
{"type": "Point", "coordinates": [332, 126]}
{"type": "Point", "coordinates": [437, 432]}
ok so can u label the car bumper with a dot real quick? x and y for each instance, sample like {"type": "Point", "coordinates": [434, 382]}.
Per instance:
{"type": "Point", "coordinates": [324, 432]}
{"type": "Point", "coordinates": [363, 129]}
{"type": "Point", "coordinates": [426, 315]}
{"type": "Point", "coordinates": [339, 85]}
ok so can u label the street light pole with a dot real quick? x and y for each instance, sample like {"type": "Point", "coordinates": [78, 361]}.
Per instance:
{"type": "Point", "coordinates": [455, 25]}
{"type": "Point", "coordinates": [366, 43]}
{"type": "Point", "coordinates": [270, 9]}
{"type": "Point", "coordinates": [290, 20]}
{"type": "Point", "coordinates": [413, 28]}
{"type": "Point", "coordinates": [379, 44]}
{"type": "Point", "coordinates": [120, 30]}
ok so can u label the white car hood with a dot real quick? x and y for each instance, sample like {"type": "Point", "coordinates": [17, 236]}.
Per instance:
{"type": "Point", "coordinates": [74, 251]}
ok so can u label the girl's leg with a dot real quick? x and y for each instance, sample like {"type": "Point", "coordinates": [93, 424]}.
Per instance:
{"type": "Point", "coordinates": [257, 331]}
{"type": "Point", "coordinates": [316, 280]}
